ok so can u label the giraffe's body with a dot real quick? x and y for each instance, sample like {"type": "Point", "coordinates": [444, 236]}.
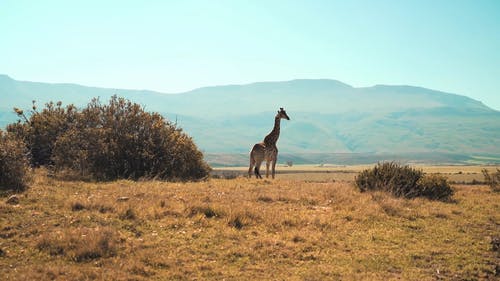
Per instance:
{"type": "Point", "coordinates": [267, 150]}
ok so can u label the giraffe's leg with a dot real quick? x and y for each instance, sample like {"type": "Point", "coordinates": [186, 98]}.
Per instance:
{"type": "Point", "coordinates": [252, 164]}
{"type": "Point", "coordinates": [275, 159]}
{"type": "Point", "coordinates": [257, 170]}
{"type": "Point", "coordinates": [267, 168]}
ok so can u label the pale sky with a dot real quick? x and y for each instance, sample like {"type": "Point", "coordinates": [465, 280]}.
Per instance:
{"type": "Point", "coordinates": [178, 45]}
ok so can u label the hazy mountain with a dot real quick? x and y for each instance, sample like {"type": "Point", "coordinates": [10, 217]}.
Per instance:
{"type": "Point", "coordinates": [327, 116]}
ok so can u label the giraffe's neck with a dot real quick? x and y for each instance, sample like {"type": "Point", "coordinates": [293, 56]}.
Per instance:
{"type": "Point", "coordinates": [273, 136]}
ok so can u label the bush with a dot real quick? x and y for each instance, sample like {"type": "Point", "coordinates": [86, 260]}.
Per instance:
{"type": "Point", "coordinates": [435, 187]}
{"type": "Point", "coordinates": [41, 129]}
{"type": "Point", "coordinates": [389, 176]}
{"type": "Point", "coordinates": [14, 164]}
{"type": "Point", "coordinates": [493, 179]}
{"type": "Point", "coordinates": [403, 181]}
{"type": "Point", "coordinates": [108, 141]}
{"type": "Point", "coordinates": [121, 140]}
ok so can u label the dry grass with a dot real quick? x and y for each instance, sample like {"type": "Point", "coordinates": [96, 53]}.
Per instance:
{"type": "Point", "coordinates": [244, 229]}
{"type": "Point", "coordinates": [79, 244]}
{"type": "Point", "coordinates": [314, 173]}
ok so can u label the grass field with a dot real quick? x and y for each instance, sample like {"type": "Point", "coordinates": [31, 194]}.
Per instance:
{"type": "Point", "coordinates": [296, 227]}
{"type": "Point", "coordinates": [456, 174]}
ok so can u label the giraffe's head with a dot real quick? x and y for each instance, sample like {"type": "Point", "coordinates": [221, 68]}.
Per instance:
{"type": "Point", "coordinates": [282, 114]}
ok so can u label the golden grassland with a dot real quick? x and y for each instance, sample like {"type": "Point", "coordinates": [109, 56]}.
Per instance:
{"type": "Point", "coordinates": [459, 174]}
{"type": "Point", "coordinates": [245, 229]}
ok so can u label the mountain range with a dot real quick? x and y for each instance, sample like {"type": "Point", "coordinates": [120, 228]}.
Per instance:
{"type": "Point", "coordinates": [327, 117]}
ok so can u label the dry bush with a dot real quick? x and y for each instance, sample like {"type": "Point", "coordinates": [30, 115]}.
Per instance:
{"type": "Point", "coordinates": [108, 142]}
{"type": "Point", "coordinates": [121, 140]}
{"type": "Point", "coordinates": [403, 181]}
{"type": "Point", "coordinates": [434, 187]}
{"type": "Point", "coordinates": [493, 179]}
{"type": "Point", "coordinates": [389, 176]}
{"type": "Point", "coordinates": [14, 164]}
{"type": "Point", "coordinates": [80, 245]}
{"type": "Point", "coordinates": [42, 128]}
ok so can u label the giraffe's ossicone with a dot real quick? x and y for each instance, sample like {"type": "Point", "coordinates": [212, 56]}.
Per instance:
{"type": "Point", "coordinates": [267, 150]}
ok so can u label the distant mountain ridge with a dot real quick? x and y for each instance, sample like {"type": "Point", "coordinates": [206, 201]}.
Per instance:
{"type": "Point", "coordinates": [327, 116]}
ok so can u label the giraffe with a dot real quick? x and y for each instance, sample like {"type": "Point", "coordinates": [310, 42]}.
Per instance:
{"type": "Point", "coordinates": [267, 149]}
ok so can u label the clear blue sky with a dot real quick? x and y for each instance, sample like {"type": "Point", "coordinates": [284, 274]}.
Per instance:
{"type": "Point", "coordinates": [178, 45]}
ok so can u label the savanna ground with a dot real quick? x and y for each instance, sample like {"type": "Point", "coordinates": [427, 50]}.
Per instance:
{"type": "Point", "coordinates": [305, 225]}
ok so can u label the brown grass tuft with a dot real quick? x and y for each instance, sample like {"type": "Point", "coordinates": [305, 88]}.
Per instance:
{"type": "Point", "coordinates": [265, 199]}
{"type": "Point", "coordinates": [206, 210]}
{"type": "Point", "coordinates": [81, 244]}
{"type": "Point", "coordinates": [242, 217]}
{"type": "Point", "coordinates": [128, 214]}
{"type": "Point", "coordinates": [77, 206]}
{"type": "Point", "coordinates": [100, 207]}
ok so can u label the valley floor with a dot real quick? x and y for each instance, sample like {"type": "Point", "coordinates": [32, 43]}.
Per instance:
{"type": "Point", "coordinates": [459, 174]}
{"type": "Point", "coordinates": [245, 229]}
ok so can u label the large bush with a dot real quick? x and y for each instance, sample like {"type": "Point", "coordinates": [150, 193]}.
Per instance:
{"type": "Point", "coordinates": [14, 163]}
{"type": "Point", "coordinates": [403, 181]}
{"type": "Point", "coordinates": [108, 141]}
{"type": "Point", "coordinates": [121, 140]}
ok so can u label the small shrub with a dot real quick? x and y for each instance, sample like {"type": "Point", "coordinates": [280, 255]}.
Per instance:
{"type": "Point", "coordinates": [493, 179]}
{"type": "Point", "coordinates": [14, 163]}
{"type": "Point", "coordinates": [403, 181]}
